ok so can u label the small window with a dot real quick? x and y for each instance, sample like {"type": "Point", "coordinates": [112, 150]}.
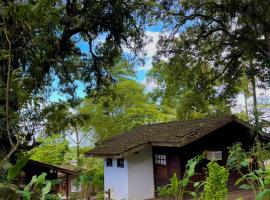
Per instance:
{"type": "Point", "coordinates": [109, 162]}
{"type": "Point", "coordinates": [120, 162]}
{"type": "Point", "coordinates": [160, 159]}
{"type": "Point", "coordinates": [214, 155]}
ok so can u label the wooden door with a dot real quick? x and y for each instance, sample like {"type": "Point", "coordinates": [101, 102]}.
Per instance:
{"type": "Point", "coordinates": [174, 165]}
{"type": "Point", "coordinates": [161, 174]}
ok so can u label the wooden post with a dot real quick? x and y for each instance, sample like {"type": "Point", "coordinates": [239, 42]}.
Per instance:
{"type": "Point", "coordinates": [67, 186]}
{"type": "Point", "coordinates": [108, 194]}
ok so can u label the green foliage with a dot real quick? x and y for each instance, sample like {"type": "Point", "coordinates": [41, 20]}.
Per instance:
{"type": "Point", "coordinates": [238, 158]}
{"type": "Point", "coordinates": [198, 98]}
{"type": "Point", "coordinates": [92, 179]}
{"type": "Point", "coordinates": [216, 182]}
{"type": "Point", "coordinates": [40, 52]}
{"type": "Point", "coordinates": [9, 172]}
{"type": "Point", "coordinates": [170, 190]}
{"type": "Point", "coordinates": [216, 50]}
{"type": "Point", "coordinates": [177, 188]}
{"type": "Point", "coordinates": [38, 188]}
{"type": "Point", "coordinates": [197, 194]}
{"type": "Point", "coordinates": [51, 150]}
{"type": "Point", "coordinates": [13, 170]}
{"type": "Point", "coordinates": [226, 33]}
{"type": "Point", "coordinates": [123, 107]}
{"type": "Point", "coordinates": [255, 178]}
{"type": "Point", "coordinates": [8, 191]}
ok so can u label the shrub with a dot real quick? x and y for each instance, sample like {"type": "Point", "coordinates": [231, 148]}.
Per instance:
{"type": "Point", "coordinates": [171, 190]}
{"type": "Point", "coordinates": [216, 182]}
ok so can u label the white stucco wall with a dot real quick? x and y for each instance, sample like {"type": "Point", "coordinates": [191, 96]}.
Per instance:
{"type": "Point", "coordinates": [116, 179]}
{"type": "Point", "coordinates": [140, 175]}
{"type": "Point", "coordinates": [133, 182]}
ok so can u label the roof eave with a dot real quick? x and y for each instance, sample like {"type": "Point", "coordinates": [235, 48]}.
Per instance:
{"type": "Point", "coordinates": [122, 154]}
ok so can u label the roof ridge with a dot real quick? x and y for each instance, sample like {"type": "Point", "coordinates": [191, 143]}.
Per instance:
{"type": "Point", "coordinates": [188, 120]}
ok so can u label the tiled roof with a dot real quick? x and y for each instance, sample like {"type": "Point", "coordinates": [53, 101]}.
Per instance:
{"type": "Point", "coordinates": [171, 134]}
{"type": "Point", "coordinates": [62, 169]}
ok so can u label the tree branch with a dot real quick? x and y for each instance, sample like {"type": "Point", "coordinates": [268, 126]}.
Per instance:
{"type": "Point", "coordinates": [8, 87]}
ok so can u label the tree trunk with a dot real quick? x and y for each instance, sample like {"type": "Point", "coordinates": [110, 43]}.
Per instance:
{"type": "Point", "coordinates": [246, 105]}
{"type": "Point", "coordinates": [254, 95]}
{"type": "Point", "coordinates": [255, 106]}
{"type": "Point", "coordinates": [267, 42]}
{"type": "Point", "coordinates": [77, 146]}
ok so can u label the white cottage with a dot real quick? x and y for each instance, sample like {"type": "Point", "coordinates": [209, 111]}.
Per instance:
{"type": "Point", "coordinates": [139, 161]}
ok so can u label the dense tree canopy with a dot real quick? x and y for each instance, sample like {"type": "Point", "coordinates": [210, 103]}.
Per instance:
{"type": "Point", "coordinates": [47, 40]}
{"type": "Point", "coordinates": [227, 33]}
{"type": "Point", "coordinates": [232, 37]}
{"type": "Point", "coordinates": [125, 106]}
{"type": "Point", "coordinates": [198, 98]}
{"type": "Point", "coordinates": [51, 150]}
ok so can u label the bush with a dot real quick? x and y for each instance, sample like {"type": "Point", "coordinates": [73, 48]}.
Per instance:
{"type": "Point", "coordinates": [92, 179]}
{"type": "Point", "coordinates": [216, 182]}
{"type": "Point", "coordinates": [172, 190]}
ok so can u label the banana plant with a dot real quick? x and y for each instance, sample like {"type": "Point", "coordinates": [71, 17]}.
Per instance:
{"type": "Point", "coordinates": [9, 172]}
{"type": "Point", "coordinates": [38, 184]}
{"type": "Point", "coordinates": [177, 188]}
{"type": "Point", "coordinates": [260, 180]}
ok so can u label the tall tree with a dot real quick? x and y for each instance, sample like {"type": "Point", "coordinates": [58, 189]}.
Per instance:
{"type": "Point", "coordinates": [42, 40]}
{"type": "Point", "coordinates": [225, 33]}
{"type": "Point", "coordinates": [123, 107]}
{"type": "Point", "coordinates": [187, 84]}
{"type": "Point", "coordinates": [51, 150]}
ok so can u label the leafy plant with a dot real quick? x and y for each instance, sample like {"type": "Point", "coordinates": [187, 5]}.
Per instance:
{"type": "Point", "coordinates": [258, 180]}
{"type": "Point", "coordinates": [92, 179]}
{"type": "Point", "coordinates": [8, 190]}
{"type": "Point", "coordinates": [38, 188]}
{"type": "Point", "coordinates": [257, 177]}
{"type": "Point", "coordinates": [197, 187]}
{"type": "Point", "coordinates": [177, 188]}
{"type": "Point", "coordinates": [171, 190]}
{"type": "Point", "coordinates": [13, 170]}
{"type": "Point", "coordinates": [215, 185]}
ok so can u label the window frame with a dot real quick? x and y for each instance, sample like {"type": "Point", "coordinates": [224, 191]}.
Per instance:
{"type": "Point", "coordinates": [160, 159]}
{"type": "Point", "coordinates": [120, 163]}
{"type": "Point", "coordinates": [109, 162]}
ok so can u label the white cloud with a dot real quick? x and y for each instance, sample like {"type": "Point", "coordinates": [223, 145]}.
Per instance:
{"type": "Point", "coordinates": [263, 98]}
{"type": "Point", "coordinates": [151, 47]}
{"type": "Point", "coordinates": [150, 84]}
{"type": "Point", "coordinates": [147, 65]}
